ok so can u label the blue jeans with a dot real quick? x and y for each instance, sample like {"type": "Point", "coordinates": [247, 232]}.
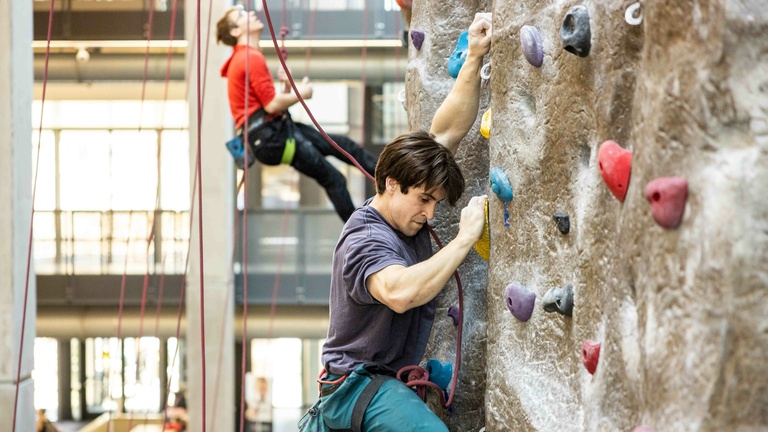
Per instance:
{"type": "Point", "coordinates": [394, 408]}
{"type": "Point", "coordinates": [309, 159]}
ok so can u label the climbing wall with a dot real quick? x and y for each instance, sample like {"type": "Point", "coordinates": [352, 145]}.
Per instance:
{"type": "Point", "coordinates": [427, 84]}
{"type": "Point", "coordinates": [631, 286]}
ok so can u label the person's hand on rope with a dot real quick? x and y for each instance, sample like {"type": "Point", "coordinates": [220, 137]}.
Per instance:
{"type": "Point", "coordinates": [283, 78]}
{"type": "Point", "coordinates": [480, 36]}
{"type": "Point", "coordinates": [305, 88]}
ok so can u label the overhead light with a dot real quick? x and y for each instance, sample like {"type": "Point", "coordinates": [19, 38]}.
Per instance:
{"type": "Point", "coordinates": [82, 55]}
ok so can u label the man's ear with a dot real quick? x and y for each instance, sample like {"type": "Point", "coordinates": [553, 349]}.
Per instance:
{"type": "Point", "coordinates": [235, 32]}
{"type": "Point", "coordinates": [391, 185]}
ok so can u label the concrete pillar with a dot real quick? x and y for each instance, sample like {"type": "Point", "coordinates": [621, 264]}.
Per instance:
{"type": "Point", "coordinates": [217, 240]}
{"type": "Point", "coordinates": [310, 365]}
{"type": "Point", "coordinates": [65, 379]}
{"type": "Point", "coordinates": [15, 212]}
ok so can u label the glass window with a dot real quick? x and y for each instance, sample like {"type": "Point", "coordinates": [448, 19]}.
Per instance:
{"type": "Point", "coordinates": [174, 172]}
{"type": "Point", "coordinates": [142, 374]}
{"type": "Point", "coordinates": [176, 361]}
{"type": "Point", "coordinates": [85, 156]}
{"type": "Point", "coordinates": [46, 376]}
{"type": "Point", "coordinates": [103, 374]}
{"type": "Point", "coordinates": [45, 192]}
{"type": "Point", "coordinates": [134, 170]}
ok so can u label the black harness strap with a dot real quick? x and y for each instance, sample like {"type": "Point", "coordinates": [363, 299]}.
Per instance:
{"type": "Point", "coordinates": [358, 412]}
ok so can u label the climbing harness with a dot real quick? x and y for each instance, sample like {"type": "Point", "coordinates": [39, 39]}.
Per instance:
{"type": "Point", "coordinates": [378, 376]}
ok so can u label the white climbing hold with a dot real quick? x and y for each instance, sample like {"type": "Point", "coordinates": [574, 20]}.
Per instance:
{"type": "Point", "coordinates": [633, 15]}
{"type": "Point", "coordinates": [485, 72]}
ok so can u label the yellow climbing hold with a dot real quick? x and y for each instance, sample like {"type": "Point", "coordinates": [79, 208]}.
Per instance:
{"type": "Point", "coordinates": [483, 245]}
{"type": "Point", "coordinates": [485, 124]}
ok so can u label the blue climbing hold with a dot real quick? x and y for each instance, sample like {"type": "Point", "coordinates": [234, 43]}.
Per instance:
{"type": "Point", "coordinates": [439, 373]}
{"type": "Point", "coordinates": [459, 55]}
{"type": "Point", "coordinates": [500, 185]}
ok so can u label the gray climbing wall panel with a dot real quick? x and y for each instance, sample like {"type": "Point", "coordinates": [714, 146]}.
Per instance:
{"type": "Point", "coordinates": [681, 314]}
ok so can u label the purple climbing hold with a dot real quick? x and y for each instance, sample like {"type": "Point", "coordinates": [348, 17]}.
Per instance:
{"type": "Point", "coordinates": [417, 37]}
{"type": "Point", "coordinates": [519, 301]}
{"type": "Point", "coordinates": [453, 312]}
{"type": "Point", "coordinates": [533, 49]}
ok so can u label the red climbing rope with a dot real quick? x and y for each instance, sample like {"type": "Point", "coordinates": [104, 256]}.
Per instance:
{"type": "Point", "coordinates": [301, 99]}
{"type": "Point", "coordinates": [200, 221]}
{"type": "Point", "coordinates": [352, 159]}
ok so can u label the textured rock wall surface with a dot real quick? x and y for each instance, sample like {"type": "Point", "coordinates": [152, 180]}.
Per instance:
{"type": "Point", "coordinates": [682, 314]}
{"type": "Point", "coordinates": [427, 84]}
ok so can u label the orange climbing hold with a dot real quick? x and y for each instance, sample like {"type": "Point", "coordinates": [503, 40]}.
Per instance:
{"type": "Point", "coordinates": [405, 4]}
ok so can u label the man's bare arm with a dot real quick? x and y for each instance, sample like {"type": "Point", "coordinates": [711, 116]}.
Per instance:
{"type": "Point", "coordinates": [282, 101]}
{"type": "Point", "coordinates": [458, 111]}
{"type": "Point", "coordinates": [402, 288]}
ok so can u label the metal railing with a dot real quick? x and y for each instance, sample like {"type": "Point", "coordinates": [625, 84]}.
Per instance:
{"type": "Point", "coordinates": [109, 242]}
{"type": "Point", "coordinates": [294, 246]}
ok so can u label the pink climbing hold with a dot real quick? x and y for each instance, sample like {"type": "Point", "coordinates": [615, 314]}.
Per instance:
{"type": "Point", "coordinates": [590, 353]}
{"type": "Point", "coordinates": [642, 429]}
{"type": "Point", "coordinates": [667, 196]}
{"type": "Point", "coordinates": [615, 166]}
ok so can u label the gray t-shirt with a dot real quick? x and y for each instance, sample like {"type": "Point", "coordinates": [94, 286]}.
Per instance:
{"type": "Point", "coordinates": [362, 330]}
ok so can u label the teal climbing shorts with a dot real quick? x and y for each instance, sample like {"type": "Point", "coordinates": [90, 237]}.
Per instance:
{"type": "Point", "coordinates": [394, 408]}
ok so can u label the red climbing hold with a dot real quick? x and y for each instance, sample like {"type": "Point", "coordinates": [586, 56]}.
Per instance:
{"type": "Point", "coordinates": [590, 353]}
{"type": "Point", "coordinates": [667, 196]}
{"type": "Point", "coordinates": [615, 166]}
{"type": "Point", "coordinates": [404, 4]}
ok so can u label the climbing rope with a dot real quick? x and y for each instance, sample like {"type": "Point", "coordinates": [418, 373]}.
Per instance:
{"type": "Point", "coordinates": [352, 159]}
{"type": "Point", "coordinates": [301, 99]}
{"type": "Point", "coordinates": [200, 221]}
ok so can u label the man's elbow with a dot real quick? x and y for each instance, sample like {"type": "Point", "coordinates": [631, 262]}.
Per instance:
{"type": "Point", "coordinates": [272, 107]}
{"type": "Point", "coordinates": [399, 304]}
{"type": "Point", "coordinates": [400, 307]}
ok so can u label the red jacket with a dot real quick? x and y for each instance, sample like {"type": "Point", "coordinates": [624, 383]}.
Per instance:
{"type": "Point", "coordinates": [261, 88]}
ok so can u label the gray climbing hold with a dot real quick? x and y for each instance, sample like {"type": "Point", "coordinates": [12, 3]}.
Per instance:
{"type": "Point", "coordinates": [563, 221]}
{"type": "Point", "coordinates": [559, 300]}
{"type": "Point", "coordinates": [575, 34]}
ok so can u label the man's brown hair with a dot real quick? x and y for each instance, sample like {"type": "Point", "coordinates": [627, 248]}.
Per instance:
{"type": "Point", "coordinates": [225, 26]}
{"type": "Point", "coordinates": [416, 159]}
